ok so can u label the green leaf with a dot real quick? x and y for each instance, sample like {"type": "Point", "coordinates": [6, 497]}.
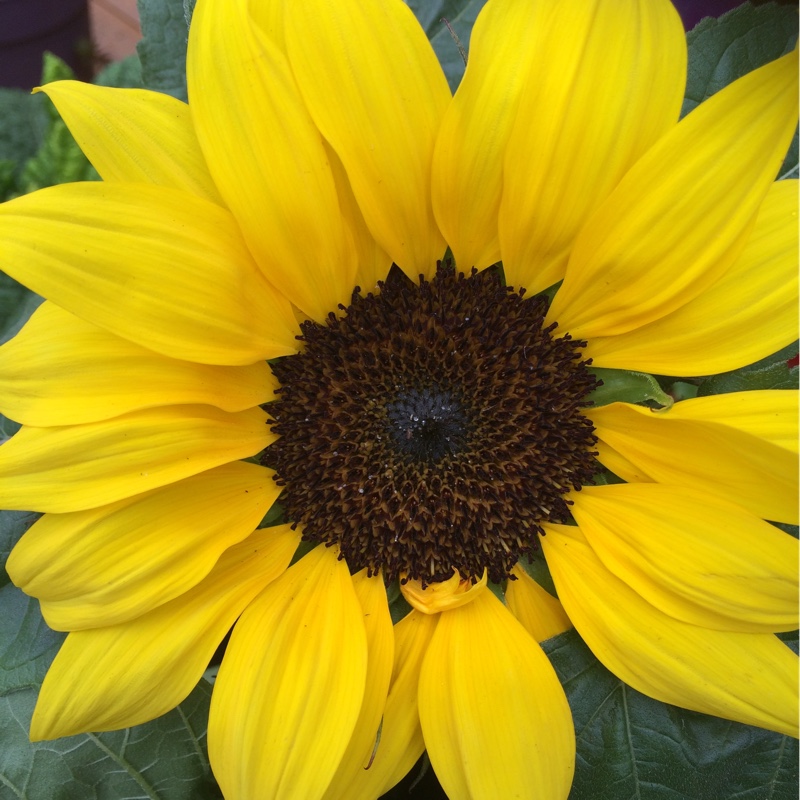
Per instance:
{"type": "Point", "coordinates": [630, 746]}
{"type": "Point", "coordinates": [24, 122]}
{"type": "Point", "coordinates": [16, 304]}
{"type": "Point", "coordinates": [461, 15]}
{"type": "Point", "coordinates": [162, 50]}
{"type": "Point", "coordinates": [162, 760]}
{"type": "Point", "coordinates": [125, 74]}
{"type": "Point", "coordinates": [772, 372]}
{"type": "Point", "coordinates": [12, 523]}
{"type": "Point", "coordinates": [722, 50]}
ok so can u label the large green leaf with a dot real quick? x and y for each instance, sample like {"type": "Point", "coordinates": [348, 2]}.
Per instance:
{"type": "Point", "coordinates": [460, 14]}
{"type": "Point", "coordinates": [162, 49]}
{"type": "Point", "coordinates": [24, 123]}
{"type": "Point", "coordinates": [633, 748]}
{"type": "Point", "coordinates": [163, 760]}
{"type": "Point", "coordinates": [722, 50]}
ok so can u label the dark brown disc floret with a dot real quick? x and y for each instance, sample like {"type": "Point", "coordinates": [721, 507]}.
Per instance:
{"type": "Point", "coordinates": [432, 427]}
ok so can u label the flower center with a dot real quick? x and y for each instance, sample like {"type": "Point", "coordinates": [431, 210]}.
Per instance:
{"type": "Point", "coordinates": [427, 424]}
{"type": "Point", "coordinates": [432, 427]}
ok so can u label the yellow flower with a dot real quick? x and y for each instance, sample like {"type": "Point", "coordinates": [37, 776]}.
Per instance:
{"type": "Point", "coordinates": [429, 423]}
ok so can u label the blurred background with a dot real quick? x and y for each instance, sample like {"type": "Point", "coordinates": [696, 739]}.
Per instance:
{"type": "Point", "coordinates": [87, 34]}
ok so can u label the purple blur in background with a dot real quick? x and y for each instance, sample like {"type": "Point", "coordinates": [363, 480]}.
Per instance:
{"type": "Point", "coordinates": [692, 11]}
{"type": "Point", "coordinates": [29, 27]}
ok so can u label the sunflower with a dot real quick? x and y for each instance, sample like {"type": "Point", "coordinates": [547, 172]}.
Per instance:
{"type": "Point", "coordinates": [323, 291]}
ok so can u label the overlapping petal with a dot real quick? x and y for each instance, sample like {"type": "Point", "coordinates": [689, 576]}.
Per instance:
{"type": "Point", "coordinates": [606, 81]}
{"type": "Point", "coordinates": [377, 93]}
{"type": "Point", "coordinates": [267, 158]}
{"type": "Point", "coordinates": [707, 561]}
{"type": "Point", "coordinates": [107, 565]}
{"type": "Point", "coordinates": [747, 677]}
{"type": "Point", "coordinates": [60, 370]}
{"type": "Point", "coordinates": [127, 674]}
{"type": "Point", "coordinates": [373, 262]}
{"type": "Point", "coordinates": [539, 612]}
{"type": "Point", "coordinates": [488, 696]}
{"type": "Point", "coordinates": [749, 313]}
{"type": "Point", "coordinates": [731, 445]}
{"type": "Point", "coordinates": [401, 742]}
{"type": "Point", "coordinates": [470, 147]}
{"type": "Point", "coordinates": [366, 737]}
{"type": "Point", "coordinates": [77, 467]}
{"type": "Point", "coordinates": [681, 216]}
{"type": "Point", "coordinates": [771, 415]}
{"type": "Point", "coordinates": [290, 687]}
{"type": "Point", "coordinates": [162, 268]}
{"type": "Point", "coordinates": [134, 135]}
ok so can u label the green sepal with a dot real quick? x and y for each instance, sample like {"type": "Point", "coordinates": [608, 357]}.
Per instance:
{"type": "Point", "coordinates": [622, 386]}
{"type": "Point", "coordinates": [772, 372]}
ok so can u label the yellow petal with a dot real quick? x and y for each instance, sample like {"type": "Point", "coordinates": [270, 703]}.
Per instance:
{"type": "Point", "coordinates": [747, 677]}
{"type": "Point", "coordinates": [494, 716]}
{"type": "Point", "coordinates": [539, 612]}
{"type": "Point", "coordinates": [60, 370]}
{"type": "Point", "coordinates": [377, 93]}
{"type": "Point", "coordinates": [373, 262]}
{"type": "Point", "coordinates": [681, 216]}
{"type": "Point", "coordinates": [358, 757]}
{"type": "Point", "coordinates": [433, 598]}
{"type": "Point", "coordinates": [695, 557]}
{"type": "Point", "coordinates": [468, 159]}
{"type": "Point", "coordinates": [127, 674]}
{"type": "Point", "coordinates": [135, 136]}
{"type": "Point", "coordinates": [696, 444]}
{"type": "Point", "coordinates": [769, 414]}
{"type": "Point", "coordinates": [620, 465]}
{"type": "Point", "coordinates": [107, 565]}
{"type": "Point", "coordinates": [290, 687]}
{"type": "Point", "coordinates": [159, 267]}
{"type": "Point", "coordinates": [267, 158]}
{"type": "Point", "coordinates": [606, 82]}
{"type": "Point", "coordinates": [85, 466]}
{"type": "Point", "coordinates": [749, 313]}
{"type": "Point", "coordinates": [401, 741]}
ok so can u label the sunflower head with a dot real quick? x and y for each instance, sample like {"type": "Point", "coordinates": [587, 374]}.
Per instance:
{"type": "Point", "coordinates": [432, 427]}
